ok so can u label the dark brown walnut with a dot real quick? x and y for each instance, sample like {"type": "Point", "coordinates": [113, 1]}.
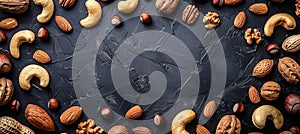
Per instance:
{"type": "Point", "coordinates": [289, 70]}
{"type": "Point", "coordinates": [292, 104]}
{"type": "Point", "coordinates": [6, 91]}
{"type": "Point", "coordinates": [14, 6]}
{"type": "Point", "coordinates": [229, 124]}
{"type": "Point", "coordinates": [190, 14]}
{"type": "Point", "coordinates": [270, 90]}
{"type": "Point", "coordinates": [66, 3]}
{"type": "Point", "coordinates": [5, 63]}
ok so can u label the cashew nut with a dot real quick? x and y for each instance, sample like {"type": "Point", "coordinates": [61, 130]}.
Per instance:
{"type": "Point", "coordinates": [127, 6]}
{"type": "Point", "coordinates": [31, 71]}
{"type": "Point", "coordinates": [94, 14]}
{"type": "Point", "coordinates": [24, 36]}
{"type": "Point", "coordinates": [262, 113]}
{"type": "Point", "coordinates": [283, 19]}
{"type": "Point", "coordinates": [48, 9]}
{"type": "Point", "coordinates": [180, 120]}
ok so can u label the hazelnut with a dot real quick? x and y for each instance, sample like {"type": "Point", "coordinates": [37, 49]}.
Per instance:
{"type": "Point", "coordinates": [238, 108]}
{"type": "Point", "coordinates": [5, 63]}
{"type": "Point", "coordinates": [14, 106]}
{"type": "Point", "coordinates": [3, 36]}
{"type": "Point", "coordinates": [273, 48]}
{"type": "Point", "coordinates": [43, 33]}
{"type": "Point", "coordinates": [158, 119]}
{"type": "Point", "coordinates": [116, 20]}
{"type": "Point", "coordinates": [145, 18]}
{"type": "Point", "coordinates": [106, 112]}
{"type": "Point", "coordinates": [53, 104]}
{"type": "Point", "coordinates": [292, 104]}
{"type": "Point", "coordinates": [217, 3]}
{"type": "Point", "coordinates": [295, 130]}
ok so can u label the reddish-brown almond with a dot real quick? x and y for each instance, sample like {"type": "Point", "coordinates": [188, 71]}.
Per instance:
{"type": "Point", "coordinates": [210, 109]}
{"type": "Point", "coordinates": [201, 130]}
{"type": "Point", "coordinates": [240, 20]}
{"type": "Point", "coordinates": [41, 56]}
{"type": "Point", "coordinates": [134, 112]}
{"type": "Point", "coordinates": [63, 24]}
{"type": "Point", "coordinates": [263, 68]}
{"type": "Point", "coordinates": [39, 118]}
{"type": "Point", "coordinates": [254, 95]}
{"type": "Point", "coordinates": [9, 24]}
{"type": "Point", "coordinates": [70, 115]}
{"type": "Point", "coordinates": [232, 2]}
{"type": "Point", "coordinates": [259, 8]}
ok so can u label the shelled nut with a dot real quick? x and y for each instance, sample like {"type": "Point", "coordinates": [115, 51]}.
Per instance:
{"type": "Point", "coordinates": [116, 20]}
{"type": "Point", "coordinates": [43, 33]}
{"type": "Point", "coordinates": [14, 106]}
{"type": "Point", "coordinates": [292, 104]}
{"type": "Point", "coordinates": [5, 63]}
{"type": "Point", "coordinates": [238, 108]}
{"type": "Point", "coordinates": [273, 48]}
{"type": "Point", "coordinates": [106, 113]}
{"type": "Point", "coordinates": [158, 119]}
{"type": "Point", "coordinates": [295, 130]}
{"type": "Point", "coordinates": [3, 36]}
{"type": "Point", "coordinates": [145, 18]}
{"type": "Point", "coordinates": [53, 104]}
{"type": "Point", "coordinates": [217, 3]}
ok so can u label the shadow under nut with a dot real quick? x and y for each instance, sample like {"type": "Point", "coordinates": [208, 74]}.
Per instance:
{"type": "Point", "coordinates": [262, 113]}
{"type": "Point", "coordinates": [24, 36]}
{"type": "Point", "coordinates": [280, 19]}
{"type": "Point", "coordinates": [31, 71]}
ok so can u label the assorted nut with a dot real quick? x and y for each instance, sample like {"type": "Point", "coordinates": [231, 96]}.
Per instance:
{"type": "Point", "coordinates": [89, 127]}
{"type": "Point", "coordinates": [209, 109]}
{"type": "Point", "coordinates": [43, 33]}
{"type": "Point", "coordinates": [145, 18]}
{"type": "Point", "coordinates": [202, 130]}
{"type": "Point", "coordinates": [190, 14]}
{"type": "Point", "coordinates": [9, 125]}
{"type": "Point", "coordinates": [270, 90]}
{"type": "Point", "coordinates": [240, 20]}
{"type": "Point", "coordinates": [63, 24]}
{"type": "Point", "coordinates": [232, 2]}
{"type": "Point", "coordinates": [3, 36]}
{"type": "Point", "coordinates": [254, 95]}
{"type": "Point", "coordinates": [41, 57]}
{"type": "Point", "coordinates": [116, 20]}
{"type": "Point", "coordinates": [94, 14]}
{"type": "Point", "coordinates": [273, 48]}
{"type": "Point", "coordinates": [259, 8]}
{"type": "Point", "coordinates": [23, 36]}
{"type": "Point", "coordinates": [238, 108]}
{"type": "Point", "coordinates": [158, 120]}
{"type": "Point", "coordinates": [292, 104]}
{"type": "Point", "coordinates": [53, 104]}
{"type": "Point", "coordinates": [66, 3]}
{"type": "Point", "coordinates": [31, 71]}
{"type": "Point", "coordinates": [9, 24]}
{"type": "Point", "coordinates": [166, 6]}
{"type": "Point", "coordinates": [134, 112]}
{"type": "Point", "coordinates": [262, 113]}
{"type": "Point", "coordinates": [141, 130]}
{"type": "Point", "coordinates": [263, 68]}
{"type": "Point", "coordinates": [127, 6]}
{"type": "Point", "coordinates": [6, 91]}
{"type": "Point", "coordinates": [229, 124]}
{"type": "Point", "coordinates": [289, 70]}
{"type": "Point", "coordinates": [14, 106]}
{"type": "Point", "coordinates": [70, 115]}
{"type": "Point", "coordinates": [180, 120]}
{"type": "Point", "coordinates": [297, 5]}
{"type": "Point", "coordinates": [39, 118]}
{"type": "Point", "coordinates": [251, 35]}
{"type": "Point", "coordinates": [47, 12]}
{"type": "Point", "coordinates": [295, 130]}
{"type": "Point", "coordinates": [291, 44]}
{"type": "Point", "coordinates": [211, 20]}
{"type": "Point", "coordinates": [279, 19]}
{"type": "Point", "coordinates": [5, 63]}
{"type": "Point", "coordinates": [106, 113]}
{"type": "Point", "coordinates": [217, 3]}
{"type": "Point", "coordinates": [118, 130]}
{"type": "Point", "coordinates": [14, 6]}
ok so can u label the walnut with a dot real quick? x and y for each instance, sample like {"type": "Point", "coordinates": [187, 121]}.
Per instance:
{"type": "Point", "coordinates": [211, 20]}
{"type": "Point", "coordinates": [297, 8]}
{"type": "Point", "coordinates": [253, 35]}
{"type": "Point", "coordinates": [89, 127]}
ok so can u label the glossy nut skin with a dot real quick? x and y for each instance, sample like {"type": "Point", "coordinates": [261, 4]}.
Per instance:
{"type": "Point", "coordinates": [238, 108]}
{"type": "Point", "coordinates": [273, 48]}
{"type": "Point", "coordinates": [295, 130]}
{"type": "Point", "coordinates": [53, 104]}
{"type": "Point", "coordinates": [145, 18]}
{"type": "Point", "coordinates": [5, 63]}
{"type": "Point", "coordinates": [116, 20]}
{"type": "Point", "coordinates": [3, 36]}
{"type": "Point", "coordinates": [43, 33]}
{"type": "Point", "coordinates": [14, 106]}
{"type": "Point", "coordinates": [217, 3]}
{"type": "Point", "coordinates": [292, 104]}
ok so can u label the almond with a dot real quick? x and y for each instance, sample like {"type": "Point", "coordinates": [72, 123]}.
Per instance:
{"type": "Point", "coordinates": [39, 118]}
{"type": "Point", "coordinates": [41, 56]}
{"type": "Point", "coordinates": [63, 24]}
{"type": "Point", "coordinates": [254, 95]}
{"type": "Point", "coordinates": [201, 130]}
{"type": "Point", "coordinates": [240, 20]}
{"type": "Point", "coordinates": [263, 68]}
{"type": "Point", "coordinates": [70, 115]}
{"type": "Point", "coordinates": [9, 24]}
{"type": "Point", "coordinates": [232, 2]}
{"type": "Point", "coordinates": [134, 112]}
{"type": "Point", "coordinates": [210, 109]}
{"type": "Point", "coordinates": [259, 8]}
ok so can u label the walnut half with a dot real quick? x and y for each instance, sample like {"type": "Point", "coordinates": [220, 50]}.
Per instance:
{"type": "Point", "coordinates": [251, 35]}
{"type": "Point", "coordinates": [89, 127]}
{"type": "Point", "coordinates": [297, 5]}
{"type": "Point", "coordinates": [211, 20]}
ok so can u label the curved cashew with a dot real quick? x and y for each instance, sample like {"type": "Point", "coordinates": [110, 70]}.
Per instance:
{"type": "Point", "coordinates": [180, 120]}
{"type": "Point", "coordinates": [19, 38]}
{"type": "Point", "coordinates": [48, 9]}
{"type": "Point", "coordinates": [94, 11]}
{"type": "Point", "coordinates": [31, 71]}
{"type": "Point", "coordinates": [262, 113]}
{"type": "Point", "coordinates": [283, 19]}
{"type": "Point", "coordinates": [127, 6]}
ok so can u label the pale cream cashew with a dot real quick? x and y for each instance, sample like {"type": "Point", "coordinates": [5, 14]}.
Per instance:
{"type": "Point", "coordinates": [31, 71]}
{"type": "Point", "coordinates": [180, 120]}
{"type": "Point", "coordinates": [127, 6]}
{"type": "Point", "coordinates": [47, 12]}
{"type": "Point", "coordinates": [24, 36]}
{"type": "Point", "coordinates": [94, 14]}
{"type": "Point", "coordinates": [262, 113]}
{"type": "Point", "coordinates": [280, 19]}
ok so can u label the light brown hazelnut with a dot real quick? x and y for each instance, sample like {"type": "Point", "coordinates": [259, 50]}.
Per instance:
{"type": "Point", "coordinates": [238, 108]}
{"type": "Point", "coordinates": [158, 119]}
{"type": "Point", "coordinates": [53, 104]}
{"type": "Point", "coordinates": [5, 63]}
{"type": "Point", "coordinates": [116, 20]}
{"type": "Point", "coordinates": [106, 112]}
{"type": "Point", "coordinates": [3, 36]}
{"type": "Point", "coordinates": [14, 106]}
{"type": "Point", "coordinates": [145, 18]}
{"type": "Point", "coordinates": [273, 48]}
{"type": "Point", "coordinates": [43, 33]}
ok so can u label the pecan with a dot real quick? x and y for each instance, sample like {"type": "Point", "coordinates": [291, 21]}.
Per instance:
{"type": "Point", "coordinates": [66, 3]}
{"type": "Point", "coordinates": [229, 124]}
{"type": "Point", "coordinates": [190, 14]}
{"type": "Point", "coordinates": [289, 70]}
{"type": "Point", "coordinates": [6, 91]}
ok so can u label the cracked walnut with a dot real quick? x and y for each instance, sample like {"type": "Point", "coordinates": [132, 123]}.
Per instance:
{"type": "Point", "coordinates": [89, 127]}
{"type": "Point", "coordinates": [211, 20]}
{"type": "Point", "coordinates": [253, 35]}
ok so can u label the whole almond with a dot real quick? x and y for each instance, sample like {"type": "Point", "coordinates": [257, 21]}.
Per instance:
{"type": "Point", "coordinates": [63, 24]}
{"type": "Point", "coordinates": [259, 8]}
{"type": "Point", "coordinates": [232, 2]}
{"type": "Point", "coordinates": [39, 118]}
{"type": "Point", "coordinates": [201, 130]}
{"type": "Point", "coordinates": [9, 24]}
{"type": "Point", "coordinates": [70, 115]}
{"type": "Point", "coordinates": [263, 68]}
{"type": "Point", "coordinates": [240, 20]}
{"type": "Point", "coordinates": [134, 112]}
{"type": "Point", "coordinates": [41, 56]}
{"type": "Point", "coordinates": [210, 109]}
{"type": "Point", "coordinates": [253, 95]}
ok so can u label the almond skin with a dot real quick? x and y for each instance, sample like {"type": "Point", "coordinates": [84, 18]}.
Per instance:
{"type": "Point", "coordinates": [134, 112]}
{"type": "Point", "coordinates": [210, 109]}
{"type": "Point", "coordinates": [263, 68]}
{"type": "Point", "coordinates": [254, 95]}
{"type": "Point", "coordinates": [39, 118]}
{"type": "Point", "coordinates": [41, 56]}
{"type": "Point", "coordinates": [63, 24]}
{"type": "Point", "coordinates": [201, 130]}
{"type": "Point", "coordinates": [70, 115]}
{"type": "Point", "coordinates": [259, 8]}
{"type": "Point", "coordinates": [240, 20]}
{"type": "Point", "coordinates": [9, 24]}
